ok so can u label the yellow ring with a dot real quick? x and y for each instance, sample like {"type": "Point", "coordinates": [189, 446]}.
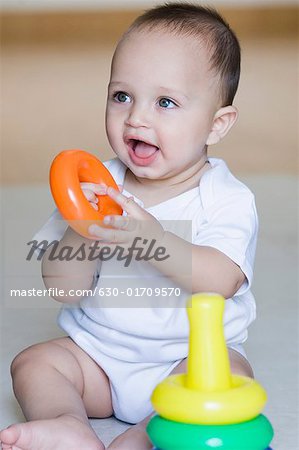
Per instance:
{"type": "Point", "coordinates": [208, 394]}
{"type": "Point", "coordinates": [174, 401]}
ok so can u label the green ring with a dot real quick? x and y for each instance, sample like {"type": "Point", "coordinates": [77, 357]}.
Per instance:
{"type": "Point", "coordinates": [169, 435]}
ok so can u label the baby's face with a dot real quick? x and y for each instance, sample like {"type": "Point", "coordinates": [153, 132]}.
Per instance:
{"type": "Point", "coordinates": [162, 99]}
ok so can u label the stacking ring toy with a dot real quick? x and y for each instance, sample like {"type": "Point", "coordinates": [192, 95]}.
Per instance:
{"type": "Point", "coordinates": [169, 435]}
{"type": "Point", "coordinates": [68, 170]}
{"type": "Point", "coordinates": [208, 393]}
{"type": "Point", "coordinates": [156, 448]}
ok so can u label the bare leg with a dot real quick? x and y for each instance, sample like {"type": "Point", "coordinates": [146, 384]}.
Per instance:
{"type": "Point", "coordinates": [58, 386]}
{"type": "Point", "coordinates": [135, 438]}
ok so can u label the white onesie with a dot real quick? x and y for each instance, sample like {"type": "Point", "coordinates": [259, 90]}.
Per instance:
{"type": "Point", "coordinates": [139, 346]}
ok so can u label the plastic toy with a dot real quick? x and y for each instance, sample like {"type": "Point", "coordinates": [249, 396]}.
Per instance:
{"type": "Point", "coordinates": [69, 168]}
{"type": "Point", "coordinates": [208, 407]}
{"type": "Point", "coordinates": [167, 434]}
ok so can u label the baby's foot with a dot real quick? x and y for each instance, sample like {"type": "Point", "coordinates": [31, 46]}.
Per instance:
{"type": "Point", "coordinates": [63, 433]}
{"type": "Point", "coordinates": [135, 438]}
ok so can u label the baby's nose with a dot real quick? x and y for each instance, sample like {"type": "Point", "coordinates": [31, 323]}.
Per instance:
{"type": "Point", "coordinates": [139, 116]}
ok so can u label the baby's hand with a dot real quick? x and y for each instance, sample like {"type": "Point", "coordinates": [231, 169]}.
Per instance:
{"type": "Point", "coordinates": [125, 228]}
{"type": "Point", "coordinates": [91, 190]}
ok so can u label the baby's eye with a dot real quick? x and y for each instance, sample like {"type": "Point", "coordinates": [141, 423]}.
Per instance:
{"type": "Point", "coordinates": [166, 103]}
{"type": "Point", "coordinates": [121, 97]}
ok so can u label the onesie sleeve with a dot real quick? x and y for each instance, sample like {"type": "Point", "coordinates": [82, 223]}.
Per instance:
{"type": "Point", "coordinates": [53, 230]}
{"type": "Point", "coordinates": [230, 225]}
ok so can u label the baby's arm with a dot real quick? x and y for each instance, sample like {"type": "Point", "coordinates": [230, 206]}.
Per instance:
{"type": "Point", "coordinates": [73, 274]}
{"type": "Point", "coordinates": [212, 270]}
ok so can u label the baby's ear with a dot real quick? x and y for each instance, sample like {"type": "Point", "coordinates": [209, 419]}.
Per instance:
{"type": "Point", "coordinates": [223, 121]}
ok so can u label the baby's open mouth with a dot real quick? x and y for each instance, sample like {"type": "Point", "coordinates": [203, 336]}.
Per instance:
{"type": "Point", "coordinates": [142, 149]}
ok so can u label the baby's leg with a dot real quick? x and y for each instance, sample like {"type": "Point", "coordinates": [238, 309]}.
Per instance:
{"type": "Point", "coordinates": [135, 438]}
{"type": "Point", "coordinates": [58, 386]}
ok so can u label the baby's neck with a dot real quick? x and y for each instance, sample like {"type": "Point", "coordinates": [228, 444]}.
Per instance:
{"type": "Point", "coordinates": [152, 192]}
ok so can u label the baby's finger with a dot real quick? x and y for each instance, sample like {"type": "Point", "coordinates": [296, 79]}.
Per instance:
{"type": "Point", "coordinates": [121, 222]}
{"type": "Point", "coordinates": [94, 206]}
{"type": "Point", "coordinates": [128, 204]}
{"type": "Point", "coordinates": [90, 195]}
{"type": "Point", "coordinates": [99, 189]}
{"type": "Point", "coordinates": [108, 235]}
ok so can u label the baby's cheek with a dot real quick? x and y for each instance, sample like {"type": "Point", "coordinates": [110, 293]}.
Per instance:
{"type": "Point", "coordinates": [113, 133]}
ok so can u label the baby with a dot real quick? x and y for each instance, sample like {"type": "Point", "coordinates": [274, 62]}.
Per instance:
{"type": "Point", "coordinates": [173, 79]}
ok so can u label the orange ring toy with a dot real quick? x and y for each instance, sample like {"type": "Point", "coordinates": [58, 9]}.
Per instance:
{"type": "Point", "coordinates": [68, 170]}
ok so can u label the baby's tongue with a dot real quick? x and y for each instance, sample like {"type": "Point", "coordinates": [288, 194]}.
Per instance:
{"type": "Point", "coordinates": [143, 150]}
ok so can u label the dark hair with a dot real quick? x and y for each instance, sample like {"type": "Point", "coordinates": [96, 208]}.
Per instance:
{"type": "Point", "coordinates": [207, 24]}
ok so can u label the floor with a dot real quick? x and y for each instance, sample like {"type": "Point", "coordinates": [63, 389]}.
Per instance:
{"type": "Point", "coordinates": [272, 347]}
